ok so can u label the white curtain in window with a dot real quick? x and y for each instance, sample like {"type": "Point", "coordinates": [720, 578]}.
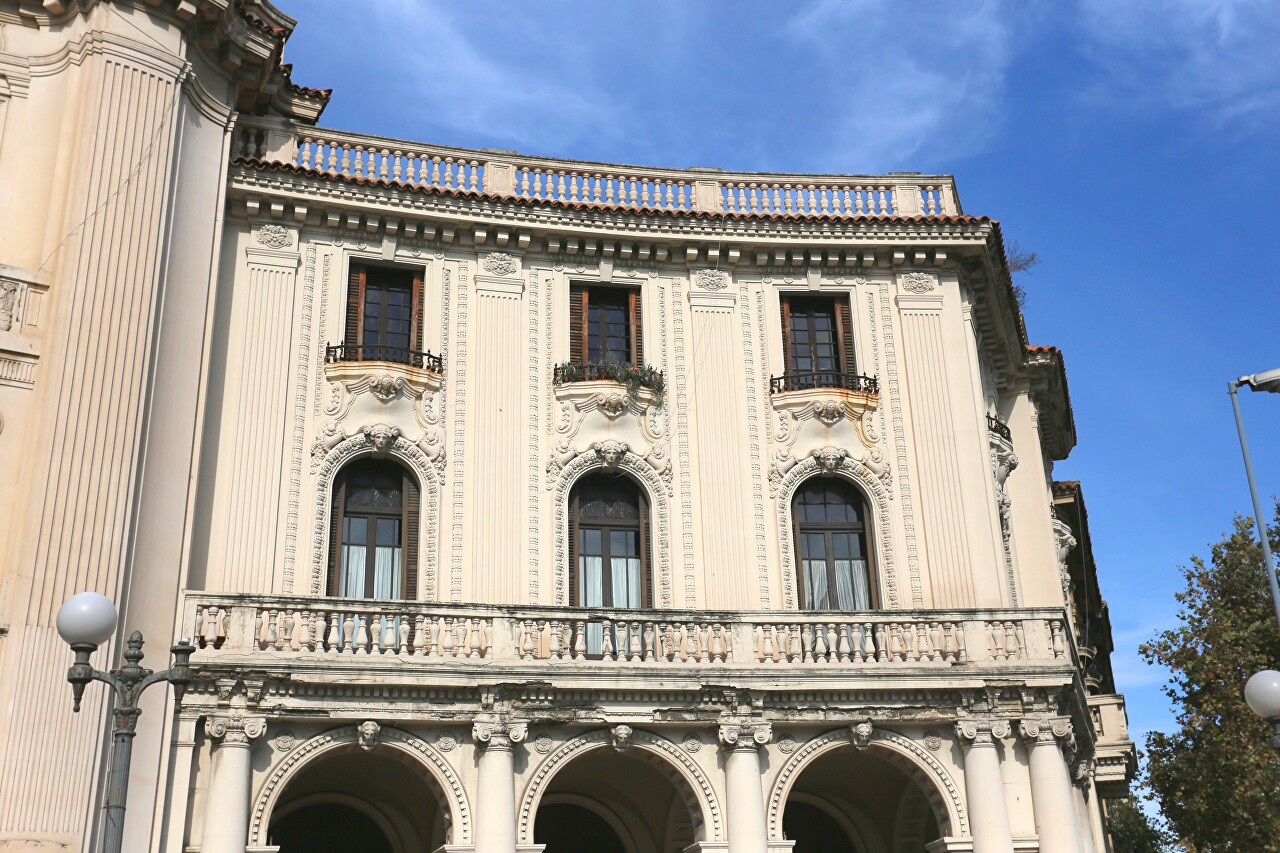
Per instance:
{"type": "Point", "coordinates": [386, 572]}
{"type": "Point", "coordinates": [852, 591]}
{"type": "Point", "coordinates": [591, 571]}
{"type": "Point", "coordinates": [815, 580]}
{"type": "Point", "coordinates": [351, 581]}
{"type": "Point", "coordinates": [626, 581]}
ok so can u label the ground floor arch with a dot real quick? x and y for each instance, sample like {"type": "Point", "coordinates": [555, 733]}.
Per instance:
{"type": "Point", "coordinates": [351, 797]}
{"type": "Point", "coordinates": [839, 796]}
{"type": "Point", "coordinates": [594, 798]}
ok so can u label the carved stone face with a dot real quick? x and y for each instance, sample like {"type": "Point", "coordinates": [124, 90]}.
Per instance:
{"type": "Point", "coordinates": [381, 436]}
{"type": "Point", "coordinates": [829, 458]}
{"type": "Point", "coordinates": [611, 452]}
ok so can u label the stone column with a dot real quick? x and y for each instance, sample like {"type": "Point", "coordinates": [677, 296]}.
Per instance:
{"type": "Point", "coordinates": [747, 830]}
{"type": "Point", "coordinates": [984, 786]}
{"type": "Point", "coordinates": [495, 819]}
{"type": "Point", "coordinates": [226, 814]}
{"type": "Point", "coordinates": [1051, 796]}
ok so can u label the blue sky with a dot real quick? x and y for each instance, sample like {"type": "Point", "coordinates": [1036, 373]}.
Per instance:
{"type": "Point", "coordinates": [1131, 144]}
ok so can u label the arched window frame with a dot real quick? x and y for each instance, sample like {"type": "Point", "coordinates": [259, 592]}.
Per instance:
{"type": "Point", "coordinates": [644, 537]}
{"type": "Point", "coordinates": [864, 528]}
{"type": "Point", "coordinates": [410, 519]}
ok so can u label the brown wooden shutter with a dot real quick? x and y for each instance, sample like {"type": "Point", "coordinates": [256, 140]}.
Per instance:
{"type": "Point", "coordinates": [637, 328]}
{"type": "Point", "coordinates": [577, 323]}
{"type": "Point", "coordinates": [415, 300]}
{"type": "Point", "coordinates": [335, 534]}
{"type": "Point", "coordinates": [355, 303]}
{"type": "Point", "coordinates": [412, 521]}
{"type": "Point", "coordinates": [646, 552]}
{"type": "Point", "coordinates": [784, 305]}
{"type": "Point", "coordinates": [844, 328]}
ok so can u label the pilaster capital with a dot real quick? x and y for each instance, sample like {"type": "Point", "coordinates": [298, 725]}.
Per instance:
{"type": "Point", "coordinates": [234, 729]}
{"type": "Point", "coordinates": [1045, 729]}
{"type": "Point", "coordinates": [497, 734]}
{"type": "Point", "coordinates": [982, 731]}
{"type": "Point", "coordinates": [745, 735]}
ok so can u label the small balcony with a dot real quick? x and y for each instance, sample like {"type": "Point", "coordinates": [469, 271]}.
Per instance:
{"type": "Point", "coordinates": [636, 378]}
{"type": "Point", "coordinates": [347, 353]}
{"type": "Point", "coordinates": [824, 379]}
{"type": "Point", "coordinates": [301, 633]}
{"type": "Point", "coordinates": [999, 428]}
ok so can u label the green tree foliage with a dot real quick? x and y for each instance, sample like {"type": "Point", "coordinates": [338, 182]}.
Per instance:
{"type": "Point", "coordinates": [1132, 830]}
{"type": "Point", "coordinates": [1216, 778]}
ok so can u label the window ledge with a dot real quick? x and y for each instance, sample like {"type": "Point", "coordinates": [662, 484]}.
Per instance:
{"type": "Point", "coordinates": [611, 398]}
{"type": "Point", "coordinates": [384, 376]}
{"type": "Point", "coordinates": [826, 404]}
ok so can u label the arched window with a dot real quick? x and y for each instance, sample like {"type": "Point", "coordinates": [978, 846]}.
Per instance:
{"type": "Point", "coordinates": [374, 532]}
{"type": "Point", "coordinates": [831, 546]}
{"type": "Point", "coordinates": [609, 543]}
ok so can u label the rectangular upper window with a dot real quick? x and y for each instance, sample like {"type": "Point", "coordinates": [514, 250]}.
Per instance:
{"type": "Point", "coordinates": [817, 339]}
{"type": "Point", "coordinates": [605, 324]}
{"type": "Point", "coordinates": [384, 313]}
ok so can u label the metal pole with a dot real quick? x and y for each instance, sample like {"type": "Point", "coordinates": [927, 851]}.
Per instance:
{"type": "Point", "coordinates": [1259, 518]}
{"type": "Point", "coordinates": [113, 801]}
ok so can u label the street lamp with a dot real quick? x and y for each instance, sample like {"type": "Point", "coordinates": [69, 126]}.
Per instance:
{"type": "Point", "coordinates": [1262, 690]}
{"type": "Point", "coordinates": [85, 621]}
{"type": "Point", "coordinates": [1266, 381]}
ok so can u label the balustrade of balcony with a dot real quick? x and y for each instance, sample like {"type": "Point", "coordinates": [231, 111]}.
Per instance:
{"type": "Point", "coordinates": [296, 628]}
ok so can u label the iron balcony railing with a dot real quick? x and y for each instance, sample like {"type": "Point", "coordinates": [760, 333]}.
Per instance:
{"type": "Point", "coordinates": [824, 379]}
{"type": "Point", "coordinates": [335, 353]}
{"type": "Point", "coordinates": [632, 375]}
{"type": "Point", "coordinates": [999, 427]}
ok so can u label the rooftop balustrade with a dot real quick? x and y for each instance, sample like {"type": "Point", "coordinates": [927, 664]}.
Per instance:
{"type": "Point", "coordinates": [264, 630]}
{"type": "Point", "coordinates": [507, 173]}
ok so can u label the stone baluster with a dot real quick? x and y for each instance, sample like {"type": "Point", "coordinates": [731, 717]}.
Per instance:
{"type": "Point", "coordinates": [984, 785]}
{"type": "Point", "coordinates": [420, 636]}
{"type": "Point", "coordinates": [477, 639]}
{"type": "Point", "coordinates": [495, 819]}
{"type": "Point", "coordinates": [649, 654]}
{"type": "Point", "coordinates": [1052, 800]}
{"type": "Point", "coordinates": [580, 640]}
{"type": "Point", "coordinates": [745, 803]}
{"type": "Point", "coordinates": [229, 785]}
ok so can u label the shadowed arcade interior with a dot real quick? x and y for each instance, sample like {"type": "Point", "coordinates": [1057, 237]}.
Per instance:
{"type": "Point", "coordinates": [353, 801]}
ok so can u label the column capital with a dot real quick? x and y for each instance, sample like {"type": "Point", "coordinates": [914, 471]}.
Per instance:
{"type": "Point", "coordinates": [982, 731]}
{"type": "Point", "coordinates": [234, 729]}
{"type": "Point", "coordinates": [745, 735]}
{"type": "Point", "coordinates": [498, 735]}
{"type": "Point", "coordinates": [1045, 729]}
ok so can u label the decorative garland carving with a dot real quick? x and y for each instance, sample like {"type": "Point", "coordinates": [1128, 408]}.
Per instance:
{"type": "Point", "coordinates": [498, 263]}
{"type": "Point", "coordinates": [754, 393]}
{"type": "Point", "coordinates": [918, 282]}
{"type": "Point", "coordinates": [1003, 462]}
{"type": "Point", "coordinates": [838, 462]}
{"type": "Point", "coordinates": [900, 448]}
{"type": "Point", "coordinates": [459, 364]}
{"type": "Point", "coordinates": [615, 456]}
{"type": "Point", "coordinates": [711, 279]}
{"type": "Point", "coordinates": [450, 792]}
{"type": "Point", "coordinates": [321, 323]}
{"type": "Point", "coordinates": [533, 400]}
{"type": "Point", "coordinates": [344, 449]}
{"type": "Point", "coordinates": [696, 789]}
{"type": "Point", "coordinates": [275, 236]}
{"type": "Point", "coordinates": [680, 378]}
{"type": "Point", "coordinates": [301, 370]}
{"type": "Point", "coordinates": [922, 768]}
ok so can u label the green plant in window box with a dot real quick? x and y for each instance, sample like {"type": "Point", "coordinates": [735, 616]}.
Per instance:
{"type": "Point", "coordinates": [633, 376]}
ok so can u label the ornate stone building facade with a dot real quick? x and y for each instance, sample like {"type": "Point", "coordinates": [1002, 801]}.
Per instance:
{"type": "Point", "coordinates": [515, 502]}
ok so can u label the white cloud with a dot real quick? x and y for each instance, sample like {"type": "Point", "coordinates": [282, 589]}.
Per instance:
{"type": "Point", "coordinates": [1212, 56]}
{"type": "Point", "coordinates": [905, 81]}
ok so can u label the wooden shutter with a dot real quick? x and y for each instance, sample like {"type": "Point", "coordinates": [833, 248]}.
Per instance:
{"type": "Point", "coordinates": [577, 323]}
{"type": "Point", "coordinates": [415, 301]}
{"type": "Point", "coordinates": [412, 521]}
{"type": "Point", "coordinates": [335, 533]}
{"type": "Point", "coordinates": [844, 328]}
{"type": "Point", "coordinates": [784, 305]}
{"type": "Point", "coordinates": [355, 305]}
{"type": "Point", "coordinates": [646, 552]}
{"type": "Point", "coordinates": [637, 330]}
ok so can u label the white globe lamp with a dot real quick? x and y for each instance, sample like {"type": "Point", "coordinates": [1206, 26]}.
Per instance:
{"type": "Point", "coordinates": [87, 619]}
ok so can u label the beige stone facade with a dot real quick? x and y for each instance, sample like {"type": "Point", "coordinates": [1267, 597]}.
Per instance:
{"type": "Point", "coordinates": [182, 402]}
